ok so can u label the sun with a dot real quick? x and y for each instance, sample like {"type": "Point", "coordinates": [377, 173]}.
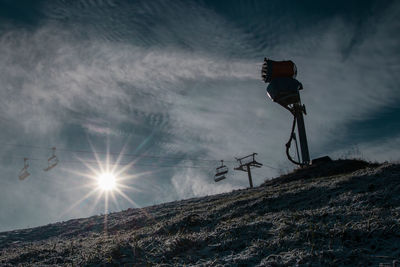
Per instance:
{"type": "Point", "coordinates": [106, 181]}
{"type": "Point", "coordinates": [109, 179]}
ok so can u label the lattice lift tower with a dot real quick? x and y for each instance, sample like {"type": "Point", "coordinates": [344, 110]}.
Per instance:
{"type": "Point", "coordinates": [246, 163]}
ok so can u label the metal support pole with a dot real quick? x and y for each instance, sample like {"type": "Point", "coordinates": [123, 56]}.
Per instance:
{"type": "Point", "coordinates": [249, 173]}
{"type": "Point", "coordinates": [305, 156]}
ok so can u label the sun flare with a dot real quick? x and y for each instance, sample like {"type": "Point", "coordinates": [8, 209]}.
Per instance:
{"type": "Point", "coordinates": [106, 181]}
{"type": "Point", "coordinates": [109, 180]}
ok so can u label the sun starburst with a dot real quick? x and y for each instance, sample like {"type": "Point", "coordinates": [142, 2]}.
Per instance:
{"type": "Point", "coordinates": [106, 179]}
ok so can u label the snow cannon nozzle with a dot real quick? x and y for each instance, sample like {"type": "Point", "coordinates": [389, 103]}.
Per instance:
{"type": "Point", "coordinates": [274, 69]}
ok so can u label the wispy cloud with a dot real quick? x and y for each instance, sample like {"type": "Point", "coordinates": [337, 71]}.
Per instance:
{"type": "Point", "coordinates": [188, 79]}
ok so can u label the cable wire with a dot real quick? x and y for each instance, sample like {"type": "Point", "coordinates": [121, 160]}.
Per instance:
{"type": "Point", "coordinates": [116, 163]}
{"type": "Point", "coordinates": [115, 153]}
{"type": "Point", "coordinates": [138, 155]}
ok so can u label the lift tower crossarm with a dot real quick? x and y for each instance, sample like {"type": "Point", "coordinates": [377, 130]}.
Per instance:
{"type": "Point", "coordinates": [245, 165]}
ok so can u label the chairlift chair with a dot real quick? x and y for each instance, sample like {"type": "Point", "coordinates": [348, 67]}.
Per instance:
{"type": "Point", "coordinates": [220, 172]}
{"type": "Point", "coordinates": [52, 161]}
{"type": "Point", "coordinates": [23, 174]}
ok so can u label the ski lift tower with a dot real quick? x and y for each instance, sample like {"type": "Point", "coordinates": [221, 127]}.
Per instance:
{"type": "Point", "coordinates": [284, 89]}
{"type": "Point", "coordinates": [246, 163]}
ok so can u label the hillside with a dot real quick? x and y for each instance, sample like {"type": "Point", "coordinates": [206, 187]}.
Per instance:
{"type": "Point", "coordinates": [346, 212]}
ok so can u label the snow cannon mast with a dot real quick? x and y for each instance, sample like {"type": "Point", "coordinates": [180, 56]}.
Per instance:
{"type": "Point", "coordinates": [284, 89]}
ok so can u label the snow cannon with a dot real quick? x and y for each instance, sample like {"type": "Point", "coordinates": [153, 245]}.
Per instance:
{"type": "Point", "coordinates": [284, 89]}
{"type": "Point", "coordinates": [275, 69]}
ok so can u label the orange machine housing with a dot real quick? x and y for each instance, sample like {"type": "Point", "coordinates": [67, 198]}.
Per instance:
{"type": "Point", "coordinates": [276, 69]}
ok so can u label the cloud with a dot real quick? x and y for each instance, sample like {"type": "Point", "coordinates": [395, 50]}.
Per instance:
{"type": "Point", "coordinates": [385, 149]}
{"type": "Point", "coordinates": [189, 183]}
{"type": "Point", "coordinates": [233, 118]}
{"type": "Point", "coordinates": [59, 87]}
{"type": "Point", "coordinates": [179, 79]}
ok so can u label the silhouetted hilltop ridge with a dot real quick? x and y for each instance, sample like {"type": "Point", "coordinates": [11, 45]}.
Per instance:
{"type": "Point", "coordinates": [340, 166]}
{"type": "Point", "coordinates": [345, 212]}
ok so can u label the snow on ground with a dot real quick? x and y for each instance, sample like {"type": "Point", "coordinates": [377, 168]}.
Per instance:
{"type": "Point", "coordinates": [346, 212]}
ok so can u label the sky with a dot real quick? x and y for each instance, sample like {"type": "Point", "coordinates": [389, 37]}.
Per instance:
{"type": "Point", "coordinates": [172, 87]}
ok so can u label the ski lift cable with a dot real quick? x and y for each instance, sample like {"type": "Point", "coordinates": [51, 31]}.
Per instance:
{"type": "Point", "coordinates": [269, 166]}
{"type": "Point", "coordinates": [125, 163]}
{"type": "Point", "coordinates": [113, 164]}
{"type": "Point", "coordinates": [114, 153]}
{"type": "Point", "coordinates": [127, 154]}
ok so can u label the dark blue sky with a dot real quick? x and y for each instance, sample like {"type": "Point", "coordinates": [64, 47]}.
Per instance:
{"type": "Point", "coordinates": [177, 83]}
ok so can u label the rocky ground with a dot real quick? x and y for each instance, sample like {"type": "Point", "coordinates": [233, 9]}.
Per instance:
{"type": "Point", "coordinates": [346, 212]}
